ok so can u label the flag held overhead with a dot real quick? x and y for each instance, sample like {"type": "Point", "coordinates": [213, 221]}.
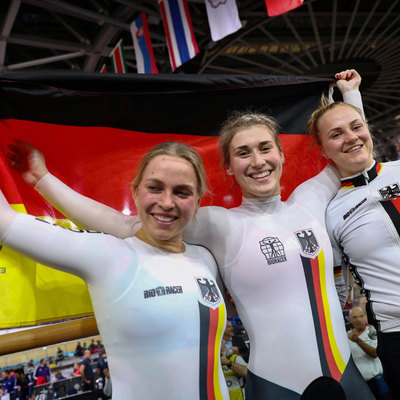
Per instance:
{"type": "Point", "coordinates": [94, 129]}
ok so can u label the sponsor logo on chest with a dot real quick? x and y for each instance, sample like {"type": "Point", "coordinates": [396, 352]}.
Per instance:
{"type": "Point", "coordinates": [274, 250]}
{"type": "Point", "coordinates": [162, 291]}
{"type": "Point", "coordinates": [390, 192]}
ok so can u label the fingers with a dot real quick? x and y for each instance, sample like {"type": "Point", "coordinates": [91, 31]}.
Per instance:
{"type": "Point", "coordinates": [348, 74]}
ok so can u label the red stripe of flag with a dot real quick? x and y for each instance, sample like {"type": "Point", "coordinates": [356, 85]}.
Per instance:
{"type": "Point", "coordinates": [147, 39]}
{"type": "Point", "coordinates": [396, 203]}
{"type": "Point", "coordinates": [189, 21]}
{"type": "Point", "coordinates": [118, 61]}
{"type": "Point", "coordinates": [213, 328]}
{"type": "Point", "coordinates": [335, 372]}
{"type": "Point", "coordinates": [167, 34]}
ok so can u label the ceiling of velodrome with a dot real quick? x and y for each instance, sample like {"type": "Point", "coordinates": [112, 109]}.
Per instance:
{"type": "Point", "coordinates": [317, 39]}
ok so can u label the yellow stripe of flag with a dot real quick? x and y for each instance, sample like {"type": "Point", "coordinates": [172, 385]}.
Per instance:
{"type": "Point", "coordinates": [335, 350]}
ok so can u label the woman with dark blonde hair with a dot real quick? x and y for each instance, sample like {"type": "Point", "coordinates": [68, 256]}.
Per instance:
{"type": "Point", "coordinates": [274, 257]}
{"type": "Point", "coordinates": [363, 221]}
{"type": "Point", "coordinates": [156, 300]}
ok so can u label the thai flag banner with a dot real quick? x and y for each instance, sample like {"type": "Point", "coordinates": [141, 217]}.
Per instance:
{"type": "Point", "coordinates": [277, 7]}
{"type": "Point", "coordinates": [182, 45]}
{"type": "Point", "coordinates": [223, 18]}
{"type": "Point", "coordinates": [145, 60]}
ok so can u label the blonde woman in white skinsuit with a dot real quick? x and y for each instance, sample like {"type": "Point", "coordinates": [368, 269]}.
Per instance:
{"type": "Point", "coordinates": [158, 307]}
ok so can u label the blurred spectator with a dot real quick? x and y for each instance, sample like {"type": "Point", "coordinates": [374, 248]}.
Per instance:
{"type": "Point", "coordinates": [52, 363]}
{"type": "Point", "coordinates": [8, 382]}
{"type": "Point", "coordinates": [59, 376]}
{"type": "Point", "coordinates": [29, 373]}
{"type": "Point", "coordinates": [87, 372]}
{"type": "Point", "coordinates": [363, 351]}
{"type": "Point", "coordinates": [99, 345]}
{"type": "Point", "coordinates": [42, 373]}
{"type": "Point", "coordinates": [104, 374]}
{"type": "Point", "coordinates": [234, 342]}
{"type": "Point", "coordinates": [23, 390]}
{"type": "Point", "coordinates": [92, 347]}
{"type": "Point", "coordinates": [60, 354]}
{"type": "Point", "coordinates": [79, 350]}
{"type": "Point", "coordinates": [77, 369]}
{"type": "Point", "coordinates": [233, 365]}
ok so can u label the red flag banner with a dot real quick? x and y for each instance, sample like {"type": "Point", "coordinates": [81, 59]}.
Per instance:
{"type": "Point", "coordinates": [93, 130]}
{"type": "Point", "coordinates": [277, 7]}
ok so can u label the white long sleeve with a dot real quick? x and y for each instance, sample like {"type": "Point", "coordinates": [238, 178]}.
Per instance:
{"type": "Point", "coordinates": [7, 216]}
{"type": "Point", "coordinates": [84, 211]}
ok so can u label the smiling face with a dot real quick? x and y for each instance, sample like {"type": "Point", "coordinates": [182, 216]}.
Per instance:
{"type": "Point", "coordinates": [345, 139]}
{"type": "Point", "coordinates": [256, 162]}
{"type": "Point", "coordinates": [166, 200]}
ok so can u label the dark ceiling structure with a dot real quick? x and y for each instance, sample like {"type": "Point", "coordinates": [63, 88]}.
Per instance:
{"type": "Point", "coordinates": [317, 39]}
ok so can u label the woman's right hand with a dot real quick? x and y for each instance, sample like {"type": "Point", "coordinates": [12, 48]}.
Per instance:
{"type": "Point", "coordinates": [27, 160]}
{"type": "Point", "coordinates": [348, 80]}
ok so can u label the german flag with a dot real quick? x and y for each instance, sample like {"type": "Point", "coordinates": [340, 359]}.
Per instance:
{"type": "Point", "coordinates": [94, 129]}
{"type": "Point", "coordinates": [332, 364]}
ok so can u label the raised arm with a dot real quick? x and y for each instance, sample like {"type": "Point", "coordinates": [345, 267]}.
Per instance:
{"type": "Point", "coordinates": [325, 185]}
{"type": "Point", "coordinates": [77, 252]}
{"type": "Point", "coordinates": [348, 82]}
{"type": "Point", "coordinates": [85, 212]}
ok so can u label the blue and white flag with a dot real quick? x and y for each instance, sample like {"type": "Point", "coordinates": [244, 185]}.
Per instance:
{"type": "Point", "coordinates": [179, 33]}
{"type": "Point", "coordinates": [223, 18]}
{"type": "Point", "coordinates": [145, 60]}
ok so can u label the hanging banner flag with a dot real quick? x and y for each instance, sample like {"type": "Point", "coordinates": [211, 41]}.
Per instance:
{"type": "Point", "coordinates": [118, 58]}
{"type": "Point", "coordinates": [223, 18]}
{"type": "Point", "coordinates": [277, 7]}
{"type": "Point", "coordinates": [103, 69]}
{"type": "Point", "coordinates": [93, 132]}
{"type": "Point", "coordinates": [145, 61]}
{"type": "Point", "coordinates": [182, 45]}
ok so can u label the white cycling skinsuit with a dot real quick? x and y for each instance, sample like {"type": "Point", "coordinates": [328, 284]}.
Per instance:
{"type": "Point", "coordinates": [160, 314]}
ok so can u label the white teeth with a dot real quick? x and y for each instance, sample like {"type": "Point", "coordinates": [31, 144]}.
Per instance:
{"type": "Point", "coordinates": [261, 175]}
{"type": "Point", "coordinates": [164, 219]}
{"type": "Point", "coordinates": [353, 148]}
